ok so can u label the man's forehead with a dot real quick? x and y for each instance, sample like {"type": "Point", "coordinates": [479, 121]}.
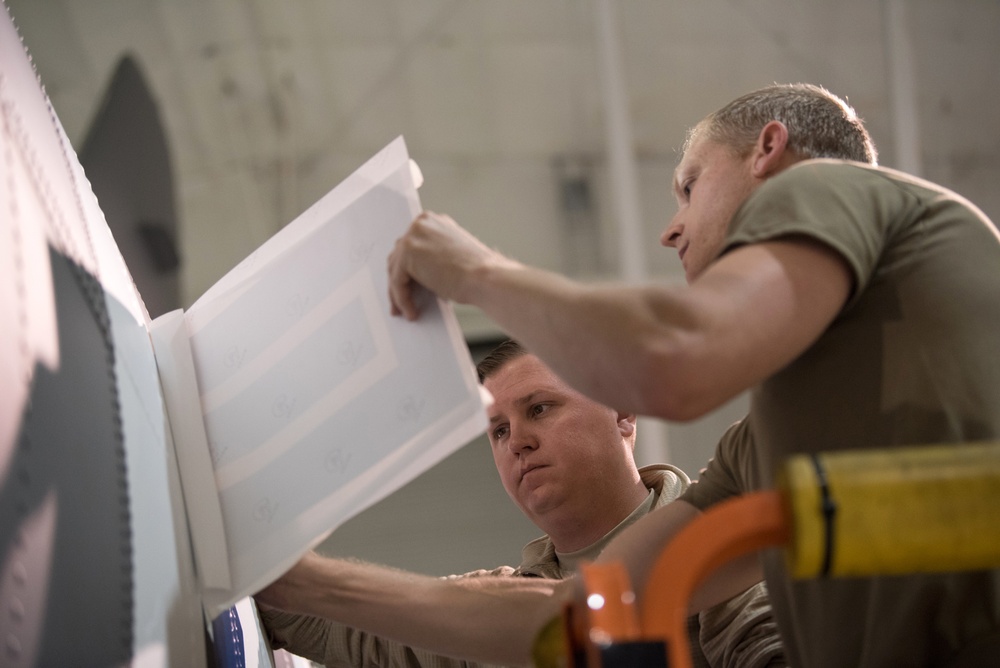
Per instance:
{"type": "Point", "coordinates": [687, 157]}
{"type": "Point", "coordinates": [693, 149]}
{"type": "Point", "coordinates": [516, 369]}
{"type": "Point", "coordinates": [680, 170]}
{"type": "Point", "coordinates": [521, 379]}
{"type": "Point", "coordinates": [522, 390]}
{"type": "Point", "coordinates": [698, 153]}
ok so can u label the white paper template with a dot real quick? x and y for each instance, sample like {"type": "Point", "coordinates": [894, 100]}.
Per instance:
{"type": "Point", "coordinates": [314, 402]}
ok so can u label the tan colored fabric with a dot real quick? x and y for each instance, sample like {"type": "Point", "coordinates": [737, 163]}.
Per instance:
{"type": "Point", "coordinates": [736, 633]}
{"type": "Point", "coordinates": [911, 359]}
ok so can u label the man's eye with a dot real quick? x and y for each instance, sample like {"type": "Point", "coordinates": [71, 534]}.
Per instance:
{"type": "Point", "coordinates": [538, 409]}
{"type": "Point", "coordinates": [499, 432]}
{"type": "Point", "coordinates": [687, 188]}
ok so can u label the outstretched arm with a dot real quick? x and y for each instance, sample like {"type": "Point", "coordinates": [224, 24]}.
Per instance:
{"type": "Point", "coordinates": [484, 619]}
{"type": "Point", "coordinates": [493, 619]}
{"type": "Point", "coordinates": [672, 351]}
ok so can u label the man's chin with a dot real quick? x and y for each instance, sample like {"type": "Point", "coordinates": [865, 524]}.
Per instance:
{"type": "Point", "coordinates": [538, 503]}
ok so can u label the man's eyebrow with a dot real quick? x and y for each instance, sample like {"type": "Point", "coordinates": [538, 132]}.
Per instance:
{"type": "Point", "coordinates": [527, 399]}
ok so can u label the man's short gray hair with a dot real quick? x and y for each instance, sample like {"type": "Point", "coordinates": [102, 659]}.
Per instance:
{"type": "Point", "coordinates": [820, 124]}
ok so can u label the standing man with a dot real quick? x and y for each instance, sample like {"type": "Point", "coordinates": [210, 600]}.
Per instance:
{"type": "Point", "coordinates": [567, 463]}
{"type": "Point", "coordinates": [860, 305]}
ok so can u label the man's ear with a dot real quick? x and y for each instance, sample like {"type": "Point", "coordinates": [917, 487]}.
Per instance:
{"type": "Point", "coordinates": [770, 153]}
{"type": "Point", "coordinates": [626, 424]}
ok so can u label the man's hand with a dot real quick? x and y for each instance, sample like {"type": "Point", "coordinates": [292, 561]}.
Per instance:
{"type": "Point", "coordinates": [281, 593]}
{"type": "Point", "coordinates": [439, 255]}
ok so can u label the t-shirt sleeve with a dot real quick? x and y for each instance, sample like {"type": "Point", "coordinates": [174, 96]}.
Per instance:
{"type": "Point", "coordinates": [844, 206]}
{"type": "Point", "coordinates": [728, 472]}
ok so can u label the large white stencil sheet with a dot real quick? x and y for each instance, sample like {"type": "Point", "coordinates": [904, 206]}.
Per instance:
{"type": "Point", "coordinates": [315, 403]}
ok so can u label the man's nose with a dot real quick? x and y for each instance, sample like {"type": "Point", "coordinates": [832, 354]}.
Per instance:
{"type": "Point", "coordinates": [671, 234]}
{"type": "Point", "coordinates": [522, 438]}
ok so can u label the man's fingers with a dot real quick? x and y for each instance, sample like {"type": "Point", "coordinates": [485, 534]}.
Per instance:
{"type": "Point", "coordinates": [401, 302]}
{"type": "Point", "coordinates": [436, 248]}
{"type": "Point", "coordinates": [400, 288]}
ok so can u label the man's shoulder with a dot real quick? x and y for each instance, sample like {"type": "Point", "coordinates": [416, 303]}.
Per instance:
{"type": "Point", "coordinates": [829, 173]}
{"type": "Point", "coordinates": [833, 174]}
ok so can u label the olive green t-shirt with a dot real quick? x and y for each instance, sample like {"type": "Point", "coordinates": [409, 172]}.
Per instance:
{"type": "Point", "coordinates": [912, 358]}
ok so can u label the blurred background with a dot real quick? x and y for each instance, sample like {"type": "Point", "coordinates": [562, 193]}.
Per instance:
{"type": "Point", "coordinates": [548, 128]}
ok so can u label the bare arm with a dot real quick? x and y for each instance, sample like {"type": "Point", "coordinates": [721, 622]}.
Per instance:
{"type": "Point", "coordinates": [482, 619]}
{"type": "Point", "coordinates": [672, 351]}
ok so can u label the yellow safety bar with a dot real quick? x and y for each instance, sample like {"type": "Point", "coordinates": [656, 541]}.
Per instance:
{"type": "Point", "coordinates": [894, 511]}
{"type": "Point", "coordinates": [849, 513]}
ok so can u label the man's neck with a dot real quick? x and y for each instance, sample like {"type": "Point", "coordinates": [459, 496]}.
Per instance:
{"type": "Point", "coordinates": [591, 524]}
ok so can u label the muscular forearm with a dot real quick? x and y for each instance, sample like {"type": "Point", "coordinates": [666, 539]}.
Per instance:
{"type": "Point", "coordinates": [668, 351]}
{"type": "Point", "coordinates": [643, 348]}
{"type": "Point", "coordinates": [653, 368]}
{"type": "Point", "coordinates": [489, 619]}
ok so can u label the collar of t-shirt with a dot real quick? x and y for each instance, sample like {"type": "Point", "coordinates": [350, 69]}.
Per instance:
{"type": "Point", "coordinates": [570, 560]}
